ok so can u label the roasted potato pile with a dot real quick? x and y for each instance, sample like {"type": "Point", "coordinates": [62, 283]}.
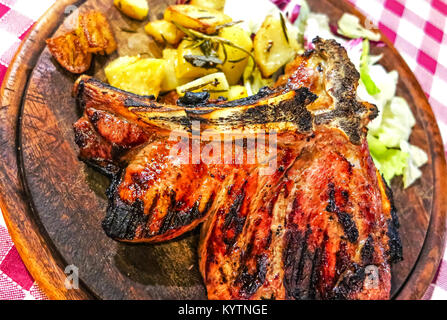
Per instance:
{"type": "Point", "coordinates": [74, 49]}
{"type": "Point", "coordinates": [202, 50]}
{"type": "Point", "coordinates": [202, 43]}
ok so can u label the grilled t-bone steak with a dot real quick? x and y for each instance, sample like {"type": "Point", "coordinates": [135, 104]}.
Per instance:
{"type": "Point", "coordinates": [308, 217]}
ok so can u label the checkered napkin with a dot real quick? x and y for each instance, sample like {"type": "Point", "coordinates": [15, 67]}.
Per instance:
{"type": "Point", "coordinates": [417, 28]}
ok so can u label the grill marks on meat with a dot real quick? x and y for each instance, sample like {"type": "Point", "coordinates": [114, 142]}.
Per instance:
{"type": "Point", "coordinates": [344, 218]}
{"type": "Point", "coordinates": [234, 256]}
{"type": "Point", "coordinates": [310, 229]}
{"type": "Point", "coordinates": [326, 239]}
{"type": "Point", "coordinates": [174, 197]}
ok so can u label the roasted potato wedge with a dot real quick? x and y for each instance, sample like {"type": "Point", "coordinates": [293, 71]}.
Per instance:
{"type": "Point", "coordinates": [197, 18]}
{"type": "Point", "coordinates": [136, 75]}
{"type": "Point", "coordinates": [274, 46]}
{"type": "Point", "coordinates": [185, 69]}
{"type": "Point", "coordinates": [170, 80]}
{"type": "Point", "coordinates": [70, 53]}
{"type": "Point", "coordinates": [136, 9]}
{"type": "Point", "coordinates": [95, 33]}
{"type": "Point", "coordinates": [236, 92]}
{"type": "Point", "coordinates": [216, 84]}
{"type": "Point", "coordinates": [114, 68]}
{"type": "Point", "coordinates": [209, 4]}
{"type": "Point", "coordinates": [164, 32]}
{"type": "Point", "coordinates": [236, 59]}
{"type": "Point", "coordinates": [233, 93]}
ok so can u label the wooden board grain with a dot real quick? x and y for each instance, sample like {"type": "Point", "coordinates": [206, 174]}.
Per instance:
{"type": "Point", "coordinates": [53, 204]}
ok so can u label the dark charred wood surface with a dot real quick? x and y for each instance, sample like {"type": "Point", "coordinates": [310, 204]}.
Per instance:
{"type": "Point", "coordinates": [53, 203]}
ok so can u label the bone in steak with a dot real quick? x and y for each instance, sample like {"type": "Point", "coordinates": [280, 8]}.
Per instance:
{"type": "Point", "coordinates": [310, 218]}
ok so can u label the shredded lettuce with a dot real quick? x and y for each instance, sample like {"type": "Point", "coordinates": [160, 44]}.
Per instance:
{"type": "Point", "coordinates": [318, 25]}
{"type": "Point", "coordinates": [301, 22]}
{"type": "Point", "coordinates": [387, 83]}
{"type": "Point", "coordinates": [417, 158]}
{"type": "Point", "coordinates": [349, 26]}
{"type": "Point", "coordinates": [377, 148]}
{"type": "Point", "coordinates": [364, 70]}
{"type": "Point", "coordinates": [390, 149]}
{"type": "Point", "coordinates": [397, 123]}
{"type": "Point", "coordinates": [390, 162]}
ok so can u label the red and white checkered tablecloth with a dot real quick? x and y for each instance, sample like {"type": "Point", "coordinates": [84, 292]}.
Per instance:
{"type": "Point", "coordinates": [418, 29]}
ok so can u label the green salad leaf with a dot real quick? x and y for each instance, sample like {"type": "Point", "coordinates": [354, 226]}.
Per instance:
{"type": "Point", "coordinates": [364, 70]}
{"type": "Point", "coordinates": [397, 123]}
{"type": "Point", "coordinates": [389, 146]}
{"type": "Point", "coordinates": [301, 21]}
{"type": "Point", "coordinates": [349, 26]}
{"type": "Point", "coordinates": [390, 162]}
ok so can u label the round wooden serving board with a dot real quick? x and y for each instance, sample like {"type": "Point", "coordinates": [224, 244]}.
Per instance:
{"type": "Point", "coordinates": [53, 204]}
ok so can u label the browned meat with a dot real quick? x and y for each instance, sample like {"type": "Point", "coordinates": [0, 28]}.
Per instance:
{"type": "Point", "coordinates": [309, 232]}
{"type": "Point", "coordinates": [292, 204]}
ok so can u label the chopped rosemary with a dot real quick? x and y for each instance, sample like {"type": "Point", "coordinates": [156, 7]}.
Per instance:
{"type": "Point", "coordinates": [225, 53]}
{"type": "Point", "coordinates": [284, 28]}
{"type": "Point", "coordinates": [238, 60]}
{"type": "Point", "coordinates": [195, 45]}
{"type": "Point", "coordinates": [206, 18]}
{"type": "Point", "coordinates": [229, 24]}
{"type": "Point", "coordinates": [215, 91]}
{"type": "Point", "coordinates": [184, 30]}
{"type": "Point", "coordinates": [214, 83]}
{"type": "Point", "coordinates": [165, 42]}
{"type": "Point", "coordinates": [203, 61]}
{"type": "Point", "coordinates": [209, 43]}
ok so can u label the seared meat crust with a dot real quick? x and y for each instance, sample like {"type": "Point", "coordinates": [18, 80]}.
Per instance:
{"type": "Point", "coordinates": [312, 233]}
{"type": "Point", "coordinates": [310, 218]}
